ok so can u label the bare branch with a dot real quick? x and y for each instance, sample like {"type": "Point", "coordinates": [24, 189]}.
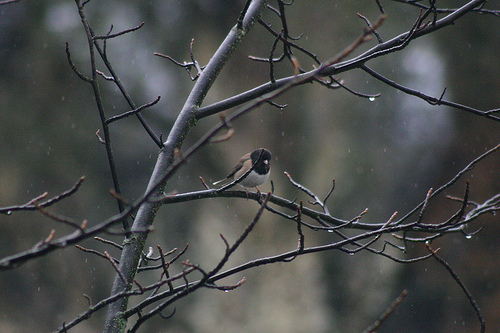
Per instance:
{"type": "Point", "coordinates": [186, 65]}
{"type": "Point", "coordinates": [73, 66]}
{"type": "Point", "coordinates": [376, 325]}
{"type": "Point", "coordinates": [429, 99]}
{"type": "Point", "coordinates": [452, 181]}
{"type": "Point", "coordinates": [461, 285]}
{"type": "Point", "coordinates": [240, 240]}
{"type": "Point", "coordinates": [479, 9]}
{"type": "Point", "coordinates": [370, 26]}
{"type": "Point", "coordinates": [30, 205]}
{"type": "Point", "coordinates": [361, 236]}
{"type": "Point", "coordinates": [242, 14]}
{"type": "Point", "coordinates": [316, 201]}
{"type": "Point", "coordinates": [188, 288]}
{"type": "Point", "coordinates": [228, 288]}
{"type": "Point", "coordinates": [109, 35]}
{"type": "Point", "coordinates": [100, 107]}
{"type": "Point", "coordinates": [165, 267]}
{"type": "Point", "coordinates": [395, 44]}
{"type": "Point", "coordinates": [132, 112]}
{"type": "Point", "coordinates": [97, 253]}
{"type": "Point", "coordinates": [106, 241]}
{"type": "Point", "coordinates": [6, 2]}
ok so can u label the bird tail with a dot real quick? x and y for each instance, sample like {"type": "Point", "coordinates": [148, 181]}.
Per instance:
{"type": "Point", "coordinates": [219, 181]}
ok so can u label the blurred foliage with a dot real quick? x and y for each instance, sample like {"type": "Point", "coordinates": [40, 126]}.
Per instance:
{"type": "Point", "coordinates": [384, 155]}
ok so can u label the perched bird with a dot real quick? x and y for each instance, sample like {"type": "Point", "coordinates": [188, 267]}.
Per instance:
{"type": "Point", "coordinates": [260, 173]}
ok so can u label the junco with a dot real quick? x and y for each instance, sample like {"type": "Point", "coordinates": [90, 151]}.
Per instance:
{"type": "Point", "coordinates": [260, 173]}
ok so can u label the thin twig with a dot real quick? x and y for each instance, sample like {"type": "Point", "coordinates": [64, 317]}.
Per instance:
{"type": "Point", "coordinates": [30, 205]}
{"type": "Point", "coordinates": [304, 189]}
{"type": "Point", "coordinates": [240, 239]}
{"type": "Point", "coordinates": [106, 241]}
{"type": "Point", "coordinates": [467, 168]}
{"type": "Point", "coordinates": [132, 112]}
{"type": "Point", "coordinates": [299, 229]}
{"type": "Point", "coordinates": [97, 253]}
{"type": "Point", "coordinates": [186, 65]}
{"type": "Point", "coordinates": [461, 285]}
{"type": "Point", "coordinates": [165, 267]}
{"type": "Point", "coordinates": [115, 266]}
{"type": "Point", "coordinates": [369, 26]}
{"type": "Point", "coordinates": [80, 226]}
{"type": "Point", "coordinates": [376, 325]}
{"type": "Point", "coordinates": [126, 31]}
{"type": "Point", "coordinates": [429, 99]}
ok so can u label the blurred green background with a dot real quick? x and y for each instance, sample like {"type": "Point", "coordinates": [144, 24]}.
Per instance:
{"type": "Point", "coordinates": [384, 155]}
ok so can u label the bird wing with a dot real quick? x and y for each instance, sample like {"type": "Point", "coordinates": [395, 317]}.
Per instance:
{"type": "Point", "coordinates": [235, 169]}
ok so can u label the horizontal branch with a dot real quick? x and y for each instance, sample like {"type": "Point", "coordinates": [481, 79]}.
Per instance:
{"type": "Point", "coordinates": [131, 112]}
{"type": "Point", "coordinates": [110, 35]}
{"type": "Point", "coordinates": [44, 248]}
{"type": "Point", "coordinates": [429, 99]}
{"type": "Point", "coordinates": [34, 203]}
{"type": "Point", "coordinates": [326, 219]}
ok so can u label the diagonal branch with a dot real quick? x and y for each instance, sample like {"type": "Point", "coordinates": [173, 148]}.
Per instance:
{"type": "Point", "coordinates": [429, 99]}
{"type": "Point", "coordinates": [452, 181]}
{"type": "Point", "coordinates": [184, 122]}
{"type": "Point", "coordinates": [460, 284]}
{"type": "Point", "coordinates": [132, 112]}
{"type": "Point", "coordinates": [30, 205]}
